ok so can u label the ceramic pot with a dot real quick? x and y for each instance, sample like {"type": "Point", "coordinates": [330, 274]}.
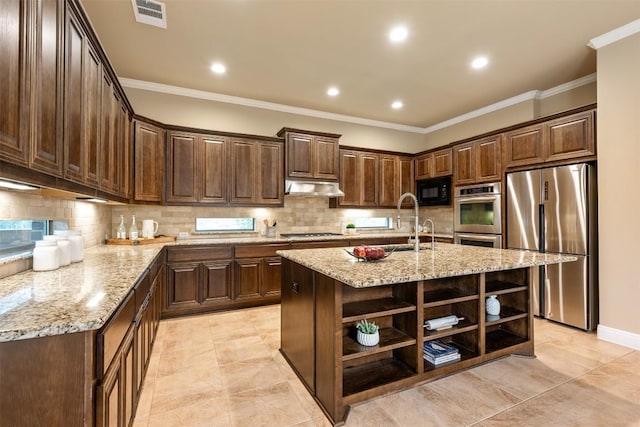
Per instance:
{"type": "Point", "coordinates": [368, 339]}
{"type": "Point", "coordinates": [492, 305]}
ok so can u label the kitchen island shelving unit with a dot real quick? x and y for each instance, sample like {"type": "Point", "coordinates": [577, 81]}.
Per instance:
{"type": "Point", "coordinates": [329, 293]}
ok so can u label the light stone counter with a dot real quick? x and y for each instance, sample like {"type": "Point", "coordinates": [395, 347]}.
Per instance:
{"type": "Point", "coordinates": [82, 296]}
{"type": "Point", "coordinates": [400, 267]}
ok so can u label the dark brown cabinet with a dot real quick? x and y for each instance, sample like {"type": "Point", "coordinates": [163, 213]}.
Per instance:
{"type": "Point", "coordinates": [196, 168]}
{"type": "Point", "coordinates": [258, 272]}
{"type": "Point", "coordinates": [110, 137]}
{"type": "Point", "coordinates": [478, 161]}
{"type": "Point", "coordinates": [256, 172]}
{"type": "Point", "coordinates": [311, 155]}
{"type": "Point", "coordinates": [434, 164]}
{"type": "Point", "coordinates": [149, 162]}
{"type": "Point", "coordinates": [92, 93]}
{"type": "Point", "coordinates": [396, 178]}
{"type": "Point", "coordinates": [563, 138]}
{"type": "Point", "coordinates": [359, 181]}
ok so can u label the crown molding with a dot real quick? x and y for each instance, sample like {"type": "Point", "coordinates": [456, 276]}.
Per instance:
{"type": "Point", "coordinates": [615, 35]}
{"type": "Point", "coordinates": [218, 97]}
{"type": "Point", "coordinates": [247, 102]}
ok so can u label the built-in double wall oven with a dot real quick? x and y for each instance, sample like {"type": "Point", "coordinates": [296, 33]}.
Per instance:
{"type": "Point", "coordinates": [477, 215]}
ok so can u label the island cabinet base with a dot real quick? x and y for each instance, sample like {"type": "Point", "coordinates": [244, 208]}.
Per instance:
{"type": "Point", "coordinates": [319, 315]}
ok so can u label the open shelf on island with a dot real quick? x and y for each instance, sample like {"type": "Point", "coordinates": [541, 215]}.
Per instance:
{"type": "Point", "coordinates": [498, 287]}
{"type": "Point", "coordinates": [437, 297]}
{"type": "Point", "coordinates": [390, 339]}
{"type": "Point", "coordinates": [507, 314]}
{"type": "Point", "coordinates": [462, 326]}
{"type": "Point", "coordinates": [465, 354]}
{"type": "Point", "coordinates": [498, 339]}
{"type": "Point", "coordinates": [363, 377]}
{"type": "Point", "coordinates": [358, 310]}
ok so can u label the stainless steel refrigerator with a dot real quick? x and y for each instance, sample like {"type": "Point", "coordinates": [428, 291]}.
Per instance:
{"type": "Point", "coordinates": [554, 210]}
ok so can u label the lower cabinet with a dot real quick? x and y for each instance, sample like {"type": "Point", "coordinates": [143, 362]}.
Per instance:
{"type": "Point", "coordinates": [257, 272]}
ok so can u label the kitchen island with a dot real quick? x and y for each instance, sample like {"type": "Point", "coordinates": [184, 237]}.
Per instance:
{"type": "Point", "coordinates": [325, 292]}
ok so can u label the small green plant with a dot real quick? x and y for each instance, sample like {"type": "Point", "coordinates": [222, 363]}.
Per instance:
{"type": "Point", "coordinates": [367, 327]}
{"type": "Point", "coordinates": [351, 226]}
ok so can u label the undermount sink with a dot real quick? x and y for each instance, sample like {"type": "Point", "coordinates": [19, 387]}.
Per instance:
{"type": "Point", "coordinates": [402, 248]}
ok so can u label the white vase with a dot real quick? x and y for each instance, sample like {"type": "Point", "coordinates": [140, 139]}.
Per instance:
{"type": "Point", "coordinates": [492, 305]}
{"type": "Point", "coordinates": [368, 339]}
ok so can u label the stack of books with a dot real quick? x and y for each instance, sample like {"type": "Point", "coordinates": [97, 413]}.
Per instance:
{"type": "Point", "coordinates": [437, 352]}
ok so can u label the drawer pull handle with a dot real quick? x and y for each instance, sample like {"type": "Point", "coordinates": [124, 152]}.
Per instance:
{"type": "Point", "coordinates": [295, 286]}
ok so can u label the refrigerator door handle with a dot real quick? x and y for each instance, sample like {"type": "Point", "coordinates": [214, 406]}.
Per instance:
{"type": "Point", "coordinates": [541, 227]}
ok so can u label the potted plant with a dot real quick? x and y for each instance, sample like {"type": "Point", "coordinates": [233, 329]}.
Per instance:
{"type": "Point", "coordinates": [368, 333]}
{"type": "Point", "coordinates": [351, 229]}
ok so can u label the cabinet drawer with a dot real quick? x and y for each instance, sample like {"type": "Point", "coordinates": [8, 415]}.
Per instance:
{"type": "Point", "coordinates": [110, 337]}
{"type": "Point", "coordinates": [204, 253]}
{"type": "Point", "coordinates": [257, 251]}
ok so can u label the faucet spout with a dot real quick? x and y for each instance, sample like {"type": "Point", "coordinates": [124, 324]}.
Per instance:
{"type": "Point", "coordinates": [416, 242]}
{"type": "Point", "coordinates": [433, 233]}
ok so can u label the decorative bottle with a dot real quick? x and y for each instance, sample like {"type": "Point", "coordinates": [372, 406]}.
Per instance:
{"type": "Point", "coordinates": [133, 230]}
{"type": "Point", "coordinates": [121, 234]}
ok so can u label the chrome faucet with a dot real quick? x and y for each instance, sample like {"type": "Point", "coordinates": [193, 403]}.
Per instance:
{"type": "Point", "coordinates": [416, 242]}
{"type": "Point", "coordinates": [433, 235]}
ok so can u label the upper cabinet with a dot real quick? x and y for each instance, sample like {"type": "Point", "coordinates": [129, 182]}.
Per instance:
{"type": "Point", "coordinates": [396, 178]}
{"type": "Point", "coordinates": [311, 155]}
{"type": "Point", "coordinates": [559, 139]}
{"type": "Point", "coordinates": [358, 178]}
{"type": "Point", "coordinates": [149, 162]}
{"type": "Point", "coordinates": [256, 172]}
{"type": "Point", "coordinates": [477, 161]}
{"type": "Point", "coordinates": [434, 164]}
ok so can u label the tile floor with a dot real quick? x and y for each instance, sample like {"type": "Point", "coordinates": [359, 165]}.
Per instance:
{"type": "Point", "coordinates": [224, 369]}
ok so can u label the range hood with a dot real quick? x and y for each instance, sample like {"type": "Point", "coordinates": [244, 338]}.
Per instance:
{"type": "Point", "coordinates": [312, 189]}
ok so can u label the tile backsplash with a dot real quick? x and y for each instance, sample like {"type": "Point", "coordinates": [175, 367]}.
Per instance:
{"type": "Point", "coordinates": [299, 214]}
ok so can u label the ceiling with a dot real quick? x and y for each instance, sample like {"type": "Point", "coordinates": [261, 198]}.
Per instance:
{"type": "Point", "coordinates": [290, 52]}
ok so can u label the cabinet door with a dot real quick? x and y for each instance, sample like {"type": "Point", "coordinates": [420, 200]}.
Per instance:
{"type": "Point", "coordinates": [407, 179]}
{"type": "Point", "coordinates": [14, 83]}
{"type": "Point", "coordinates": [213, 180]}
{"type": "Point", "coordinates": [182, 171]}
{"type": "Point", "coordinates": [247, 278]}
{"type": "Point", "coordinates": [442, 164]}
{"type": "Point", "coordinates": [125, 152]}
{"type": "Point", "coordinates": [299, 156]}
{"type": "Point", "coordinates": [243, 171]}
{"type": "Point", "coordinates": [326, 158]}
{"type": "Point", "coordinates": [271, 276]}
{"type": "Point", "coordinates": [570, 137]}
{"type": "Point", "coordinates": [110, 402]}
{"type": "Point", "coordinates": [389, 181]}
{"type": "Point", "coordinates": [149, 162]}
{"type": "Point", "coordinates": [523, 146]}
{"type": "Point", "coordinates": [369, 179]}
{"type": "Point", "coordinates": [464, 164]}
{"type": "Point", "coordinates": [46, 151]}
{"type": "Point", "coordinates": [140, 351]}
{"type": "Point", "coordinates": [423, 166]}
{"type": "Point", "coordinates": [216, 286]}
{"type": "Point", "coordinates": [92, 90]}
{"type": "Point", "coordinates": [349, 178]}
{"type": "Point", "coordinates": [182, 286]}
{"type": "Point", "coordinates": [488, 159]}
{"type": "Point", "coordinates": [129, 386]}
{"type": "Point", "coordinates": [270, 186]}
{"type": "Point", "coordinates": [107, 154]}
{"type": "Point", "coordinates": [74, 150]}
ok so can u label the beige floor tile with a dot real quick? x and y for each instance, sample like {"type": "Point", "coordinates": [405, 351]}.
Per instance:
{"type": "Point", "coordinates": [241, 349]}
{"type": "Point", "coordinates": [269, 406]}
{"type": "Point", "coordinates": [205, 411]}
{"type": "Point", "coordinates": [249, 374]}
{"type": "Point", "coordinates": [370, 414]}
{"type": "Point", "coordinates": [224, 333]}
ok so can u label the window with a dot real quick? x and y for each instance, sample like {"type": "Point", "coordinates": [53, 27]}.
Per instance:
{"type": "Point", "coordinates": [220, 225]}
{"type": "Point", "coordinates": [19, 236]}
{"type": "Point", "coordinates": [372, 223]}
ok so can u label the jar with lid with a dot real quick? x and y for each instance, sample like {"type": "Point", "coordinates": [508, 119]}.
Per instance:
{"type": "Point", "coordinates": [64, 248]}
{"type": "Point", "coordinates": [46, 255]}
{"type": "Point", "coordinates": [77, 243]}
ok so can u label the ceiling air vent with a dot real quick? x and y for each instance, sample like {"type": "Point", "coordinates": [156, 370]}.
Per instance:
{"type": "Point", "coordinates": [150, 12]}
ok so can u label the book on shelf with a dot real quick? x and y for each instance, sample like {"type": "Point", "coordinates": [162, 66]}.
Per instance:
{"type": "Point", "coordinates": [442, 359]}
{"type": "Point", "coordinates": [438, 348]}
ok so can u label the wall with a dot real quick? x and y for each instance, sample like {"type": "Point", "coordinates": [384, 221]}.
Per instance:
{"type": "Point", "coordinates": [618, 131]}
{"type": "Point", "coordinates": [205, 114]}
{"type": "Point", "coordinates": [583, 95]}
{"type": "Point", "coordinates": [299, 214]}
{"type": "Point", "coordinates": [94, 220]}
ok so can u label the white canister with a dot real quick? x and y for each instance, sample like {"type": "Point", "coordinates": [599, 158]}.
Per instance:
{"type": "Point", "coordinates": [46, 255]}
{"type": "Point", "coordinates": [64, 247]}
{"type": "Point", "coordinates": [77, 243]}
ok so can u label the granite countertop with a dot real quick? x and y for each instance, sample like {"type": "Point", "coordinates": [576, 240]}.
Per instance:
{"type": "Point", "coordinates": [82, 296]}
{"type": "Point", "coordinates": [446, 261]}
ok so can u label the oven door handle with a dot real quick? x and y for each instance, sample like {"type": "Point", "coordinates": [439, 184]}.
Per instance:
{"type": "Point", "coordinates": [476, 237]}
{"type": "Point", "coordinates": [489, 199]}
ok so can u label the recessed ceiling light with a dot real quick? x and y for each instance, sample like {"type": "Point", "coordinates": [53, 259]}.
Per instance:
{"type": "Point", "coordinates": [396, 105]}
{"type": "Point", "coordinates": [333, 91]}
{"type": "Point", "coordinates": [479, 62]}
{"type": "Point", "coordinates": [398, 33]}
{"type": "Point", "coordinates": [218, 68]}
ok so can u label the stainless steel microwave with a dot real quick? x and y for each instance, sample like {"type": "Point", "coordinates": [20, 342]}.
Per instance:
{"type": "Point", "coordinates": [434, 191]}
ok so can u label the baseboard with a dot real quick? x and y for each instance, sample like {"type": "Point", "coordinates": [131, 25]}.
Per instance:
{"type": "Point", "coordinates": [618, 336]}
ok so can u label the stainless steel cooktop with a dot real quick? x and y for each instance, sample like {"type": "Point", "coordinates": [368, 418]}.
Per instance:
{"type": "Point", "coordinates": [286, 235]}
